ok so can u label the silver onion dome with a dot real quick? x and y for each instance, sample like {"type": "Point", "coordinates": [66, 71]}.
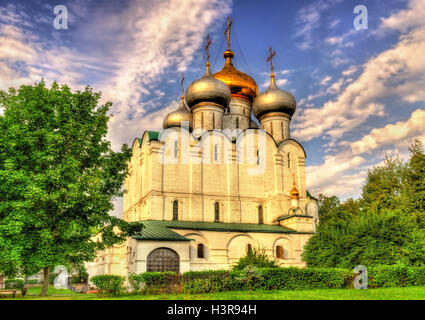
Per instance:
{"type": "Point", "coordinates": [274, 99]}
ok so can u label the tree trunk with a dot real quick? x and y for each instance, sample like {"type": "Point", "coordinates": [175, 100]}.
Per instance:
{"type": "Point", "coordinates": [46, 274]}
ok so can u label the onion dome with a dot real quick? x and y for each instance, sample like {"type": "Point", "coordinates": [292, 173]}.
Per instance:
{"type": "Point", "coordinates": [294, 194]}
{"type": "Point", "coordinates": [241, 85]}
{"type": "Point", "coordinates": [274, 100]}
{"type": "Point", "coordinates": [208, 90]}
{"type": "Point", "coordinates": [175, 118]}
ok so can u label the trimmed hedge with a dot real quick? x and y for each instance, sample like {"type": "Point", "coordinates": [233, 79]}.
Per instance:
{"type": "Point", "coordinates": [154, 282]}
{"type": "Point", "coordinates": [291, 278]}
{"type": "Point", "coordinates": [14, 283]}
{"type": "Point", "coordinates": [108, 285]}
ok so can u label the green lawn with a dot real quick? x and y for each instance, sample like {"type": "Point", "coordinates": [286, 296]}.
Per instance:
{"type": "Point", "coordinates": [407, 293]}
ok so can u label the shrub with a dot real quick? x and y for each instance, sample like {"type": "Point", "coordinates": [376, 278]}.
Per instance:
{"type": "Point", "coordinates": [108, 285]}
{"type": "Point", "coordinates": [389, 276]}
{"type": "Point", "coordinates": [14, 284]}
{"type": "Point", "coordinates": [255, 258]}
{"type": "Point", "coordinates": [32, 281]}
{"type": "Point", "coordinates": [249, 275]}
{"type": "Point", "coordinates": [209, 281]}
{"type": "Point", "coordinates": [155, 282]}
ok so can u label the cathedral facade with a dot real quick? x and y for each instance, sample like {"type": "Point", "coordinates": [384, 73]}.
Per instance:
{"type": "Point", "coordinates": [222, 178]}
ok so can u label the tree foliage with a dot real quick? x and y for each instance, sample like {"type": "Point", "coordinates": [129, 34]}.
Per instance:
{"type": "Point", "coordinates": [58, 177]}
{"type": "Point", "coordinates": [385, 226]}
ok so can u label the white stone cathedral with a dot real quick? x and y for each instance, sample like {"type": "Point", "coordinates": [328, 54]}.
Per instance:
{"type": "Point", "coordinates": [213, 184]}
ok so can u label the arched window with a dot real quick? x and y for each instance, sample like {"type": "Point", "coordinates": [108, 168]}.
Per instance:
{"type": "Point", "coordinates": [163, 259]}
{"type": "Point", "coordinates": [279, 252]}
{"type": "Point", "coordinates": [237, 122]}
{"type": "Point", "coordinates": [200, 250]}
{"type": "Point", "coordinates": [260, 215]}
{"type": "Point", "coordinates": [217, 211]}
{"type": "Point", "coordinates": [289, 160]}
{"type": "Point", "coordinates": [248, 248]}
{"type": "Point", "coordinates": [175, 210]}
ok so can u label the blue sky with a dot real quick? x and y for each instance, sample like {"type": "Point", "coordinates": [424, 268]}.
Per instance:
{"type": "Point", "coordinates": [360, 93]}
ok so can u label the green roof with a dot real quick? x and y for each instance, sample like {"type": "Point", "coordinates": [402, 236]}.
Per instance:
{"type": "Point", "coordinates": [155, 231]}
{"type": "Point", "coordinates": [160, 230]}
{"type": "Point", "coordinates": [310, 196]}
{"type": "Point", "coordinates": [153, 135]}
{"type": "Point", "coordinates": [293, 215]}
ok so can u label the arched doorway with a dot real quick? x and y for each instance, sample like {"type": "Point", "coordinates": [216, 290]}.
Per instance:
{"type": "Point", "coordinates": [163, 259]}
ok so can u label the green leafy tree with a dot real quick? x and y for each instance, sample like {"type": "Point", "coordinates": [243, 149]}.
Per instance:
{"type": "Point", "coordinates": [58, 177]}
{"type": "Point", "coordinates": [255, 257]}
{"type": "Point", "coordinates": [383, 186]}
{"type": "Point", "coordinates": [249, 275]}
{"type": "Point", "coordinates": [367, 238]}
{"type": "Point", "coordinates": [414, 184]}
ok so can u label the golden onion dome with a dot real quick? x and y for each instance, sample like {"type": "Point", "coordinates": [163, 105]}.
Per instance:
{"type": "Point", "coordinates": [294, 194]}
{"type": "Point", "coordinates": [274, 100]}
{"type": "Point", "coordinates": [207, 89]}
{"type": "Point", "coordinates": [241, 85]}
{"type": "Point", "coordinates": [175, 118]}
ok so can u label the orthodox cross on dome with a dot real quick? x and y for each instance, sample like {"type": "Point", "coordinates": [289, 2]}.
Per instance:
{"type": "Point", "coordinates": [227, 31]}
{"type": "Point", "coordinates": [182, 84]}
{"type": "Point", "coordinates": [207, 50]}
{"type": "Point", "coordinates": [270, 59]}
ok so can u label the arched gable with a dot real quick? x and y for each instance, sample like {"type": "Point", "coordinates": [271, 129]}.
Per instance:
{"type": "Point", "coordinates": [291, 142]}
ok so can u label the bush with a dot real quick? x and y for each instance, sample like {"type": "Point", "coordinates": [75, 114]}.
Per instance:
{"type": "Point", "coordinates": [209, 281]}
{"type": "Point", "coordinates": [32, 281]}
{"type": "Point", "coordinates": [14, 284]}
{"type": "Point", "coordinates": [108, 285]}
{"type": "Point", "coordinates": [255, 258]}
{"type": "Point", "coordinates": [155, 282]}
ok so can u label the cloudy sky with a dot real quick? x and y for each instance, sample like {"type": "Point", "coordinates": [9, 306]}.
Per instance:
{"type": "Point", "coordinates": [360, 93]}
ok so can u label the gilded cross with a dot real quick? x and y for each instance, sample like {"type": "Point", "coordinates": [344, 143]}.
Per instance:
{"type": "Point", "coordinates": [182, 83]}
{"type": "Point", "coordinates": [227, 31]}
{"type": "Point", "coordinates": [207, 48]}
{"type": "Point", "coordinates": [270, 59]}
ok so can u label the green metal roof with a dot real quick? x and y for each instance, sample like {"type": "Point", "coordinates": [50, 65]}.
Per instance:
{"type": "Point", "coordinates": [293, 215]}
{"type": "Point", "coordinates": [160, 230]}
{"type": "Point", "coordinates": [156, 231]}
{"type": "Point", "coordinates": [153, 135]}
{"type": "Point", "coordinates": [310, 196]}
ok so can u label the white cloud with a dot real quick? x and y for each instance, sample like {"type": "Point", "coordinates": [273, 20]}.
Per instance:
{"type": "Point", "coordinates": [400, 134]}
{"type": "Point", "coordinates": [343, 173]}
{"type": "Point", "coordinates": [406, 19]}
{"type": "Point", "coordinates": [325, 80]}
{"type": "Point", "coordinates": [392, 73]}
{"type": "Point", "coordinates": [308, 19]}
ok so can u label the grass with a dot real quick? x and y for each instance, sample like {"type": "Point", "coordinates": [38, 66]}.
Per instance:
{"type": "Point", "coordinates": [406, 293]}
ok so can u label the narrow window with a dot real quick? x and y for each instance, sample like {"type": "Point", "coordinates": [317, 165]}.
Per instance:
{"type": "Point", "coordinates": [175, 210]}
{"type": "Point", "coordinates": [281, 126]}
{"type": "Point", "coordinates": [260, 215]}
{"type": "Point", "coordinates": [176, 149]}
{"type": "Point", "coordinates": [271, 128]}
{"type": "Point", "coordinates": [237, 122]}
{"type": "Point", "coordinates": [279, 252]}
{"type": "Point", "coordinates": [213, 124]}
{"type": "Point", "coordinates": [216, 152]}
{"type": "Point", "coordinates": [289, 160]}
{"type": "Point", "coordinates": [258, 157]}
{"type": "Point", "coordinates": [248, 248]}
{"type": "Point", "coordinates": [200, 250]}
{"type": "Point", "coordinates": [217, 211]}
{"type": "Point", "coordinates": [202, 120]}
